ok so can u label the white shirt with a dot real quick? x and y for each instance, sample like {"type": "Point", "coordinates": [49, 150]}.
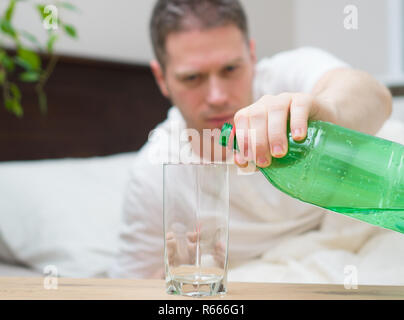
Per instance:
{"type": "Point", "coordinates": [260, 215]}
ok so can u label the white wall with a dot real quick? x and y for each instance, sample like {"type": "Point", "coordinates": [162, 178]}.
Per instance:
{"type": "Point", "coordinates": [321, 23]}
{"type": "Point", "coordinates": [271, 24]}
{"type": "Point", "coordinates": [118, 30]}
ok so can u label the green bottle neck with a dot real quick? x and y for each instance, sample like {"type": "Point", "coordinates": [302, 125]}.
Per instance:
{"type": "Point", "coordinates": [225, 136]}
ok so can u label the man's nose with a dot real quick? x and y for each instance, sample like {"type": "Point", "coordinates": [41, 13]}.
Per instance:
{"type": "Point", "coordinates": [217, 93]}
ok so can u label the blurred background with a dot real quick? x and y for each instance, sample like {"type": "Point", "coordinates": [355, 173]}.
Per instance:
{"type": "Point", "coordinates": [102, 98]}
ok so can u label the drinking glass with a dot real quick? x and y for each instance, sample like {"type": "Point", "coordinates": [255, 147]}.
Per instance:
{"type": "Point", "coordinates": [196, 219]}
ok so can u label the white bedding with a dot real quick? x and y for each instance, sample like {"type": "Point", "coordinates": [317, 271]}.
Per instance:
{"type": "Point", "coordinates": [67, 213]}
{"type": "Point", "coordinates": [63, 214]}
{"type": "Point", "coordinates": [343, 250]}
{"type": "Point", "coordinates": [14, 270]}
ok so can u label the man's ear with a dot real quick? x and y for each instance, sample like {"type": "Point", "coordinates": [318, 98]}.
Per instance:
{"type": "Point", "coordinates": [159, 76]}
{"type": "Point", "coordinates": [252, 48]}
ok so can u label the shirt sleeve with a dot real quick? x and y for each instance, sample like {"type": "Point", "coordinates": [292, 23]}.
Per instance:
{"type": "Point", "coordinates": [141, 241]}
{"type": "Point", "coordinates": [295, 70]}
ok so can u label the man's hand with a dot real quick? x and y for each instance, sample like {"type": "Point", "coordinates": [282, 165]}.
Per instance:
{"type": "Point", "coordinates": [180, 255]}
{"type": "Point", "coordinates": [186, 253]}
{"type": "Point", "coordinates": [268, 117]}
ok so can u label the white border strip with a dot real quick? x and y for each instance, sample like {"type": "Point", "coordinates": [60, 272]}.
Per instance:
{"type": "Point", "coordinates": [395, 16]}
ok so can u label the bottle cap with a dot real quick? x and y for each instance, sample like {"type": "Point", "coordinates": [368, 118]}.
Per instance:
{"type": "Point", "coordinates": [225, 134]}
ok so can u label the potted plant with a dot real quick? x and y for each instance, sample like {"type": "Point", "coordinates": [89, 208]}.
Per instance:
{"type": "Point", "coordinates": [24, 62]}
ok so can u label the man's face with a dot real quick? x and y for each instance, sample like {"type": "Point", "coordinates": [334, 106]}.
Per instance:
{"type": "Point", "coordinates": [208, 75]}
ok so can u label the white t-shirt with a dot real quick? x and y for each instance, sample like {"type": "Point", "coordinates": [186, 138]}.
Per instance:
{"type": "Point", "coordinates": [260, 215]}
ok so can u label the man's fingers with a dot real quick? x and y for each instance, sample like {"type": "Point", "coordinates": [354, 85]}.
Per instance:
{"type": "Point", "coordinates": [241, 123]}
{"type": "Point", "coordinates": [239, 160]}
{"type": "Point", "coordinates": [192, 236]}
{"type": "Point", "coordinates": [258, 138]}
{"type": "Point", "coordinates": [278, 111]}
{"type": "Point", "coordinates": [170, 235]}
{"type": "Point", "coordinates": [171, 245]}
{"type": "Point", "coordinates": [299, 115]}
{"type": "Point", "coordinates": [219, 254]}
{"type": "Point", "coordinates": [261, 128]}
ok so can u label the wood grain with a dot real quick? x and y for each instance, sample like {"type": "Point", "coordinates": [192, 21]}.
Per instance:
{"type": "Point", "coordinates": [130, 289]}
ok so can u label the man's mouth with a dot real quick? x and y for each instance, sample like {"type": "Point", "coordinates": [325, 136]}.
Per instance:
{"type": "Point", "coordinates": [218, 121]}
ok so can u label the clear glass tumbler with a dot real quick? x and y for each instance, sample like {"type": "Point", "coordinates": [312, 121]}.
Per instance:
{"type": "Point", "coordinates": [196, 224]}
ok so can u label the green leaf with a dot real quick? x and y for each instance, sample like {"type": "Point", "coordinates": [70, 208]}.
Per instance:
{"type": "Point", "coordinates": [68, 6]}
{"type": "Point", "coordinates": [9, 104]}
{"type": "Point", "coordinates": [30, 76]}
{"type": "Point", "coordinates": [6, 61]}
{"type": "Point", "coordinates": [15, 91]}
{"type": "Point", "coordinates": [70, 30]}
{"type": "Point", "coordinates": [52, 38]}
{"type": "Point", "coordinates": [43, 13]}
{"type": "Point", "coordinates": [7, 28]}
{"type": "Point", "coordinates": [41, 10]}
{"type": "Point", "coordinates": [28, 59]}
{"type": "Point", "coordinates": [14, 106]}
{"type": "Point", "coordinates": [22, 63]}
{"type": "Point", "coordinates": [10, 10]}
{"type": "Point", "coordinates": [31, 38]}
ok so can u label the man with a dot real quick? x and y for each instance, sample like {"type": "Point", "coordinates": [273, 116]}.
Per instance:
{"type": "Point", "coordinates": [206, 65]}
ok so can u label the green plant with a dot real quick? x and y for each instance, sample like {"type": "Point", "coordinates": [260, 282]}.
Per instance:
{"type": "Point", "coordinates": [26, 63]}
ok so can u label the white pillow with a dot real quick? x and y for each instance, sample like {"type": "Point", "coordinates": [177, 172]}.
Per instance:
{"type": "Point", "coordinates": [65, 213]}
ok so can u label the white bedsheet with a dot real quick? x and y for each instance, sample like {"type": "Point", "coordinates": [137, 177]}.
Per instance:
{"type": "Point", "coordinates": [343, 250]}
{"type": "Point", "coordinates": [13, 270]}
{"type": "Point", "coordinates": [62, 214]}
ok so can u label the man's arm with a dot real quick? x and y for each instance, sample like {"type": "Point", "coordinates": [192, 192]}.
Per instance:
{"type": "Point", "coordinates": [343, 96]}
{"type": "Point", "coordinates": [360, 102]}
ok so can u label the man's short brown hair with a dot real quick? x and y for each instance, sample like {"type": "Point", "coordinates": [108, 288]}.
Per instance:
{"type": "Point", "coordinates": [180, 15]}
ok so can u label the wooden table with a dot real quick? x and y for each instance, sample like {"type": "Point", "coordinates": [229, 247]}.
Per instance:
{"type": "Point", "coordinates": [129, 289]}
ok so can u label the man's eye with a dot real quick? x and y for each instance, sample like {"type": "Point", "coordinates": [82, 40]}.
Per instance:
{"type": "Point", "coordinates": [191, 78]}
{"type": "Point", "coordinates": [230, 69]}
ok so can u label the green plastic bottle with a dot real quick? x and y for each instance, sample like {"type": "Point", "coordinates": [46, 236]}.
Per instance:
{"type": "Point", "coordinates": [342, 170]}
